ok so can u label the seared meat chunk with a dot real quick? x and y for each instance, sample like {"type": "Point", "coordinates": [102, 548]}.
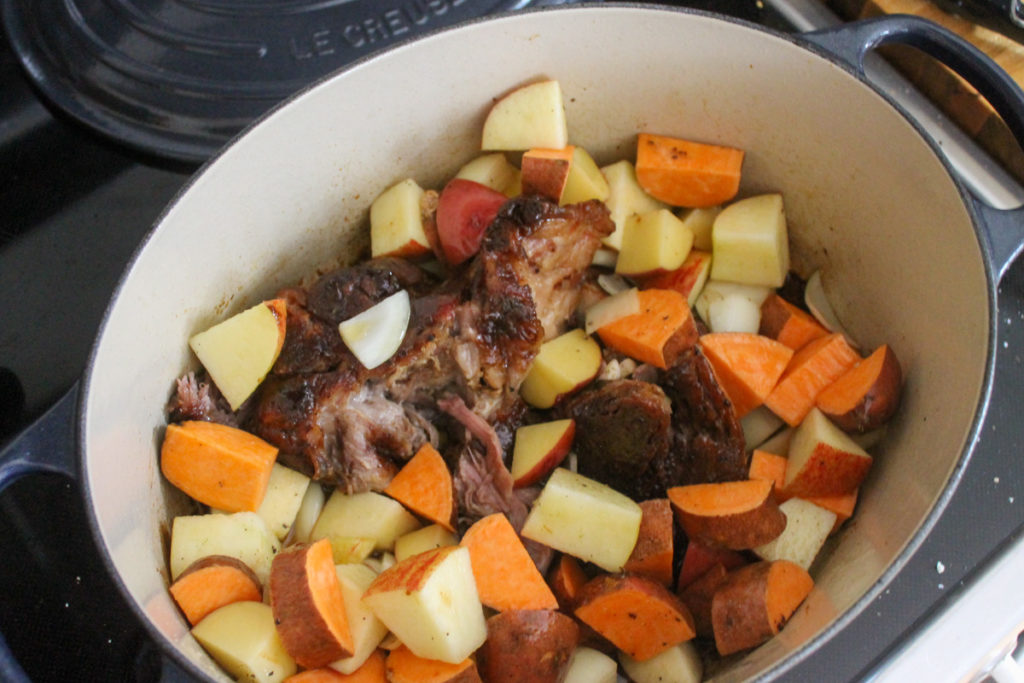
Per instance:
{"type": "Point", "coordinates": [473, 337]}
{"type": "Point", "coordinates": [197, 398]}
{"type": "Point", "coordinates": [622, 428]}
{"type": "Point", "coordinates": [707, 439]}
{"type": "Point", "coordinates": [348, 291]}
{"type": "Point", "coordinates": [311, 344]}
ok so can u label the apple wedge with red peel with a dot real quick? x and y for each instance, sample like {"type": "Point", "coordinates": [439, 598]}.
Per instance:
{"type": "Point", "coordinates": [494, 171]}
{"type": "Point", "coordinates": [540, 448]}
{"type": "Point", "coordinates": [465, 209]}
{"type": "Point", "coordinates": [374, 335]}
{"type": "Point", "coordinates": [530, 116]}
{"type": "Point", "coordinates": [823, 460]}
{"type": "Point", "coordinates": [563, 365]}
{"type": "Point", "coordinates": [396, 222]}
{"type": "Point", "coordinates": [430, 602]}
{"type": "Point", "coordinates": [688, 279]}
{"type": "Point", "coordinates": [653, 242]}
{"type": "Point", "coordinates": [585, 181]}
{"type": "Point", "coordinates": [239, 352]}
{"type": "Point", "coordinates": [546, 171]}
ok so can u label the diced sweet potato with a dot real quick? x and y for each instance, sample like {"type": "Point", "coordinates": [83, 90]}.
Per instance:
{"type": "Point", "coordinates": [639, 616]}
{"type": "Point", "coordinates": [308, 605]}
{"type": "Point", "coordinates": [652, 555]}
{"type": "Point", "coordinates": [528, 646]}
{"type": "Point", "coordinates": [811, 369]}
{"type": "Point", "coordinates": [785, 323]}
{"type": "Point", "coordinates": [567, 579]}
{"type": "Point", "coordinates": [736, 514]}
{"type": "Point", "coordinates": [867, 395]}
{"type": "Point", "coordinates": [754, 603]}
{"type": "Point", "coordinates": [211, 582]}
{"type": "Point", "coordinates": [405, 667]}
{"type": "Point", "coordinates": [699, 558]}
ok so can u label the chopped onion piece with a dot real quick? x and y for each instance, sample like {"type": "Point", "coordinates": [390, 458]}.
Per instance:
{"type": "Point", "coordinates": [734, 313]}
{"type": "Point", "coordinates": [613, 284]}
{"type": "Point", "coordinates": [611, 308]}
{"type": "Point", "coordinates": [374, 335]}
{"type": "Point", "coordinates": [820, 307]}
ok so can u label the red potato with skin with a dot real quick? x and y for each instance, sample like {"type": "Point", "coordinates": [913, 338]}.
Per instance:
{"type": "Point", "coordinates": [823, 460]}
{"type": "Point", "coordinates": [754, 603]}
{"type": "Point", "coordinates": [464, 210]}
{"type": "Point", "coordinates": [699, 558]}
{"type": "Point", "coordinates": [528, 646]}
{"type": "Point", "coordinates": [308, 605]}
{"type": "Point", "coordinates": [867, 395]}
{"type": "Point", "coordinates": [737, 515]}
{"type": "Point", "coordinates": [698, 597]}
{"type": "Point", "coordinates": [637, 615]}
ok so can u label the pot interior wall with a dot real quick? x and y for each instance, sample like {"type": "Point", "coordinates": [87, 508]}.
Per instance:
{"type": "Point", "coordinates": [867, 201]}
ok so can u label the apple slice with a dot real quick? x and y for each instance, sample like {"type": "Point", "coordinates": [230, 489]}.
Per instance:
{"type": "Point", "coordinates": [429, 601]}
{"type": "Point", "coordinates": [588, 665]}
{"type": "Point", "coordinates": [586, 519]}
{"type": "Point", "coordinates": [422, 540]}
{"type": "Point", "coordinates": [823, 460]}
{"type": "Point", "coordinates": [396, 222]}
{"type": "Point", "coordinates": [807, 527]}
{"type": "Point", "coordinates": [367, 630]}
{"type": "Point", "coordinates": [243, 639]}
{"type": "Point", "coordinates": [465, 209]}
{"type": "Point", "coordinates": [285, 493]}
{"type": "Point", "coordinates": [688, 279]}
{"type": "Point", "coordinates": [494, 171]}
{"type": "Point", "coordinates": [585, 180]}
{"type": "Point", "coordinates": [242, 535]}
{"type": "Point", "coordinates": [653, 242]}
{"type": "Point", "coordinates": [539, 448]}
{"type": "Point", "coordinates": [308, 605]}
{"type": "Point", "coordinates": [612, 308]}
{"type": "Point", "coordinates": [700, 221]}
{"type": "Point", "coordinates": [751, 244]}
{"type": "Point", "coordinates": [364, 515]}
{"type": "Point", "coordinates": [309, 510]}
{"type": "Point", "coordinates": [546, 171]}
{"type": "Point", "coordinates": [530, 116]}
{"type": "Point", "coordinates": [680, 663]}
{"type": "Point", "coordinates": [239, 352]}
{"type": "Point", "coordinates": [563, 365]}
{"type": "Point", "coordinates": [374, 335]}
{"type": "Point", "coordinates": [625, 198]}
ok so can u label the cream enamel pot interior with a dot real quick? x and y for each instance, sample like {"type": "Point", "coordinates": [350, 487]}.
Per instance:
{"type": "Point", "coordinates": [905, 250]}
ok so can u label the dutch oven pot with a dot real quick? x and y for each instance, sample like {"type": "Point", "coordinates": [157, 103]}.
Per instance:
{"type": "Point", "coordinates": [910, 257]}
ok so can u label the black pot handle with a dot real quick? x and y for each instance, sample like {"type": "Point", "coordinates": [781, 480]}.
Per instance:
{"type": "Point", "coordinates": [1002, 230]}
{"type": "Point", "coordinates": [48, 445]}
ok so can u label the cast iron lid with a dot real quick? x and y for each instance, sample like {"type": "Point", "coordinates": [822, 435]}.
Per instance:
{"type": "Point", "coordinates": [179, 78]}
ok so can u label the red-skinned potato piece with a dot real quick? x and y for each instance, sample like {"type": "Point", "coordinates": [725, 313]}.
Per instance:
{"type": "Point", "coordinates": [737, 515]}
{"type": "Point", "coordinates": [867, 395]}
{"type": "Point", "coordinates": [652, 556]}
{"type": "Point", "coordinates": [528, 646]}
{"type": "Point", "coordinates": [464, 210]}
{"type": "Point", "coordinates": [754, 603]}
{"type": "Point", "coordinates": [212, 582]}
{"type": "Point", "coordinates": [637, 615]}
{"type": "Point", "coordinates": [698, 596]}
{"type": "Point", "coordinates": [699, 558]}
{"type": "Point", "coordinates": [308, 605]}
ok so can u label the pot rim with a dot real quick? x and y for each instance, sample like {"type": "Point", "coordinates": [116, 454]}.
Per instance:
{"type": "Point", "coordinates": [801, 652]}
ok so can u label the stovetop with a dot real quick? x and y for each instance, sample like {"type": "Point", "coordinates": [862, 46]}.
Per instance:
{"type": "Point", "coordinates": [73, 207]}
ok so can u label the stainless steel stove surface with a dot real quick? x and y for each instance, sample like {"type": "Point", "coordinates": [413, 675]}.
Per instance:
{"type": "Point", "coordinates": [74, 204]}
